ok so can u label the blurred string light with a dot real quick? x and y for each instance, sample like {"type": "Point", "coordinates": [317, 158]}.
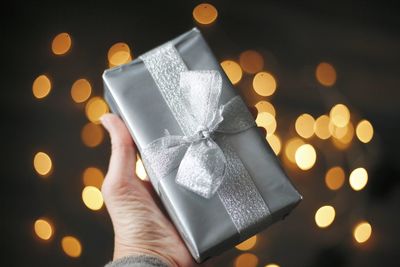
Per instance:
{"type": "Point", "coordinates": [343, 136]}
{"type": "Point", "coordinates": [334, 178]}
{"type": "Point", "coordinates": [119, 54]}
{"type": "Point", "coordinates": [246, 260]}
{"type": "Point", "coordinates": [61, 44]}
{"type": "Point", "coordinates": [264, 83]}
{"type": "Point", "coordinates": [325, 74]}
{"type": "Point", "coordinates": [92, 134]}
{"type": "Point", "coordinates": [275, 143]}
{"type": "Point", "coordinates": [140, 170]}
{"type": "Point", "coordinates": [272, 265]}
{"type": "Point", "coordinates": [92, 197]}
{"type": "Point", "coordinates": [358, 179]}
{"type": "Point", "coordinates": [362, 232]}
{"type": "Point", "coordinates": [266, 120]}
{"type": "Point", "coordinates": [291, 147]}
{"type": "Point", "coordinates": [247, 244]}
{"type": "Point", "coordinates": [322, 127]}
{"type": "Point", "coordinates": [304, 125]}
{"type": "Point", "coordinates": [42, 163]}
{"type": "Point", "coordinates": [41, 86]}
{"type": "Point", "coordinates": [95, 108]}
{"type": "Point", "coordinates": [305, 157]}
{"type": "Point", "coordinates": [364, 131]}
{"type": "Point", "coordinates": [232, 70]}
{"type": "Point", "coordinates": [340, 115]}
{"type": "Point", "coordinates": [43, 229]}
{"type": "Point", "coordinates": [71, 246]}
{"type": "Point", "coordinates": [325, 216]}
{"type": "Point", "coordinates": [93, 176]}
{"type": "Point", "coordinates": [81, 90]}
{"type": "Point", "coordinates": [265, 106]}
{"type": "Point", "coordinates": [205, 13]}
{"type": "Point", "coordinates": [251, 61]}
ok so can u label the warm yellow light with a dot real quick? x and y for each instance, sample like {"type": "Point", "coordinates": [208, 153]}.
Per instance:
{"type": "Point", "coordinates": [334, 178]}
{"type": "Point", "coordinates": [119, 54]}
{"type": "Point", "coordinates": [305, 156]}
{"type": "Point", "coordinates": [92, 134]}
{"type": "Point", "coordinates": [232, 70]}
{"type": "Point", "coordinates": [41, 86]}
{"type": "Point", "coordinates": [246, 260]}
{"type": "Point", "coordinates": [93, 176]}
{"type": "Point", "coordinates": [92, 198]}
{"type": "Point", "coordinates": [362, 232]}
{"type": "Point", "coordinates": [364, 131]}
{"type": "Point", "coordinates": [291, 146]}
{"type": "Point", "coordinates": [140, 170]}
{"type": "Point", "coordinates": [343, 136]}
{"type": "Point", "coordinates": [340, 115]}
{"type": "Point", "coordinates": [205, 13]}
{"type": "Point", "coordinates": [321, 127]}
{"type": "Point", "coordinates": [272, 265]}
{"type": "Point", "coordinates": [325, 216]}
{"type": "Point", "coordinates": [71, 246]}
{"type": "Point", "coordinates": [358, 179]}
{"type": "Point", "coordinates": [264, 83]}
{"type": "Point", "coordinates": [305, 125]}
{"type": "Point", "coordinates": [275, 143]}
{"type": "Point", "coordinates": [43, 229]}
{"type": "Point", "coordinates": [42, 163]}
{"type": "Point", "coordinates": [61, 43]}
{"type": "Point", "coordinates": [95, 108]}
{"type": "Point", "coordinates": [326, 74]}
{"type": "Point", "coordinates": [265, 106]}
{"type": "Point", "coordinates": [81, 90]}
{"type": "Point", "coordinates": [251, 61]}
{"type": "Point", "coordinates": [267, 121]}
{"type": "Point", "coordinates": [247, 244]}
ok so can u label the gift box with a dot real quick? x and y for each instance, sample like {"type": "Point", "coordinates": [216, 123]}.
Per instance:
{"type": "Point", "coordinates": [213, 170]}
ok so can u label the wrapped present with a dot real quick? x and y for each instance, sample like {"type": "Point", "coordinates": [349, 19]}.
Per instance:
{"type": "Point", "coordinates": [215, 173]}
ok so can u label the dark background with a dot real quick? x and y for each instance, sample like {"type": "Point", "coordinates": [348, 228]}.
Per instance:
{"type": "Point", "coordinates": [361, 39]}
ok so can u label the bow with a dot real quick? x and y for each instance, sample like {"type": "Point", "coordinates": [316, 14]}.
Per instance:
{"type": "Point", "coordinates": [200, 160]}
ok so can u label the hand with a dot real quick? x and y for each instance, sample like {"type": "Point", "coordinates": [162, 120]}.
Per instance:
{"type": "Point", "coordinates": [140, 227]}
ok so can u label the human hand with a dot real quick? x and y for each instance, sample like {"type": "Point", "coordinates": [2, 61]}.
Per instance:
{"type": "Point", "coordinates": [140, 227]}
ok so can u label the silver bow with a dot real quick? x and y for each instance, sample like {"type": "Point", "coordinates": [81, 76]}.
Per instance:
{"type": "Point", "coordinates": [200, 160]}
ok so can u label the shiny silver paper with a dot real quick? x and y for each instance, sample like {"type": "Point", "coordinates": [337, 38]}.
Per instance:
{"type": "Point", "coordinates": [208, 226]}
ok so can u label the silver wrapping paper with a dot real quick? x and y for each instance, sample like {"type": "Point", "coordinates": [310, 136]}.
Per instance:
{"type": "Point", "coordinates": [204, 224]}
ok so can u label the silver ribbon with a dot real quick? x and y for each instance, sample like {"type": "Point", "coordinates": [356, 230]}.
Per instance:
{"type": "Point", "coordinates": [206, 163]}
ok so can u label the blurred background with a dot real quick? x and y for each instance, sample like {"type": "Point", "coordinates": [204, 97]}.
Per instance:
{"type": "Point", "coordinates": [323, 78]}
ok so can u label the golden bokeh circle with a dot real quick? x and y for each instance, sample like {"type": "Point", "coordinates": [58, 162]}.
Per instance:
{"type": "Point", "coordinates": [92, 197]}
{"type": "Point", "coordinates": [41, 86]}
{"type": "Point", "coordinates": [81, 90]}
{"type": "Point", "coordinates": [325, 74]}
{"type": "Point", "coordinates": [95, 108]}
{"type": "Point", "coordinates": [247, 244]}
{"type": "Point", "coordinates": [305, 157]}
{"type": "Point", "coordinates": [264, 83]}
{"type": "Point", "coordinates": [205, 13]}
{"type": "Point", "coordinates": [251, 61]}
{"type": "Point", "coordinates": [246, 260]}
{"type": "Point", "coordinates": [334, 178]}
{"type": "Point", "coordinates": [61, 44]}
{"type": "Point", "coordinates": [362, 232]}
{"type": "Point", "coordinates": [275, 142]}
{"type": "Point", "coordinates": [119, 54]}
{"type": "Point", "coordinates": [340, 115]}
{"type": "Point", "coordinates": [232, 70]}
{"type": "Point", "coordinates": [42, 163]}
{"type": "Point", "coordinates": [93, 176]}
{"type": "Point", "coordinates": [265, 106]}
{"type": "Point", "coordinates": [291, 146]}
{"type": "Point", "coordinates": [92, 134]}
{"type": "Point", "coordinates": [325, 216]}
{"type": "Point", "coordinates": [266, 120]}
{"type": "Point", "coordinates": [71, 246]}
{"type": "Point", "coordinates": [43, 229]}
{"type": "Point", "coordinates": [304, 125]}
{"type": "Point", "coordinates": [358, 179]}
{"type": "Point", "coordinates": [364, 131]}
{"type": "Point", "coordinates": [322, 127]}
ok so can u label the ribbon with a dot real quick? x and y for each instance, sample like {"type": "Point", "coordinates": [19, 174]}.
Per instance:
{"type": "Point", "coordinates": [206, 163]}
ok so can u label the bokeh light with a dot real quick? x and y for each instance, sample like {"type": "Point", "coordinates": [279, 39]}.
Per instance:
{"type": "Point", "coordinates": [43, 229]}
{"type": "Point", "coordinates": [358, 179]}
{"type": "Point", "coordinates": [93, 176]}
{"type": "Point", "coordinates": [343, 136]}
{"type": "Point", "coordinates": [246, 260]}
{"type": "Point", "coordinates": [41, 86]}
{"type": "Point", "coordinates": [42, 163]}
{"type": "Point", "coordinates": [362, 232]}
{"type": "Point", "coordinates": [92, 134]}
{"type": "Point", "coordinates": [140, 170]}
{"type": "Point", "coordinates": [364, 131]}
{"type": "Point", "coordinates": [340, 115]}
{"type": "Point", "coordinates": [247, 244]}
{"type": "Point", "coordinates": [325, 74]}
{"type": "Point", "coordinates": [265, 106]}
{"type": "Point", "coordinates": [334, 178]}
{"type": "Point", "coordinates": [264, 83]}
{"type": "Point", "coordinates": [61, 44]}
{"type": "Point", "coordinates": [304, 125]}
{"type": "Point", "coordinates": [291, 147]}
{"type": "Point", "coordinates": [305, 156]}
{"type": "Point", "coordinates": [232, 70]}
{"type": "Point", "coordinates": [71, 246]}
{"type": "Point", "coordinates": [272, 265]}
{"type": "Point", "coordinates": [251, 61]}
{"type": "Point", "coordinates": [205, 13]}
{"type": "Point", "coordinates": [92, 197]}
{"type": "Point", "coordinates": [325, 216]}
{"type": "Point", "coordinates": [275, 142]}
{"type": "Point", "coordinates": [95, 108]}
{"type": "Point", "coordinates": [322, 127]}
{"type": "Point", "coordinates": [119, 54]}
{"type": "Point", "coordinates": [81, 90]}
{"type": "Point", "coordinates": [267, 121]}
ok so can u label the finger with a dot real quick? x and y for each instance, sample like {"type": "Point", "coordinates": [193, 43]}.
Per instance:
{"type": "Point", "coordinates": [123, 150]}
